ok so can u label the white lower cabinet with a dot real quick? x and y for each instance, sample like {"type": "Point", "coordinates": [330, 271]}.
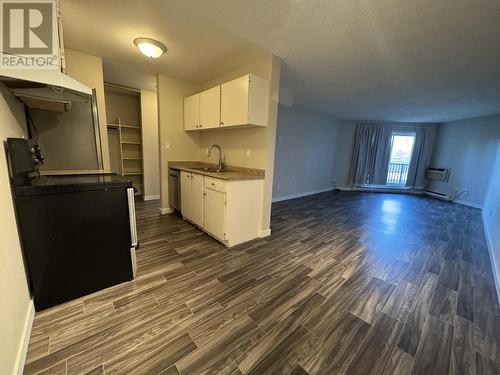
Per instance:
{"type": "Point", "coordinates": [197, 199]}
{"type": "Point", "coordinates": [214, 218]}
{"type": "Point", "coordinates": [227, 210]}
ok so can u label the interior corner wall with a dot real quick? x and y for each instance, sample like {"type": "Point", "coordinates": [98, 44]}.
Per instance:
{"type": "Point", "coordinates": [175, 143]}
{"type": "Point", "coordinates": [150, 144]}
{"type": "Point", "coordinates": [491, 216]}
{"type": "Point", "coordinates": [15, 302]}
{"type": "Point", "coordinates": [305, 152]}
{"type": "Point", "coordinates": [468, 148]}
{"type": "Point", "coordinates": [88, 70]}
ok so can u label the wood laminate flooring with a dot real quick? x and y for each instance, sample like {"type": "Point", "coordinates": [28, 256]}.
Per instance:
{"type": "Point", "coordinates": [348, 283]}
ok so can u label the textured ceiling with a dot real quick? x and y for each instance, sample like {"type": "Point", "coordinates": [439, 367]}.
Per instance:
{"type": "Point", "coordinates": [399, 60]}
{"type": "Point", "coordinates": [197, 51]}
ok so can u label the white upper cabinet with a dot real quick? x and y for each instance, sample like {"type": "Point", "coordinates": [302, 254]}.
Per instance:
{"type": "Point", "coordinates": [210, 108]}
{"type": "Point", "coordinates": [244, 101]}
{"type": "Point", "coordinates": [192, 112]}
{"type": "Point", "coordinates": [241, 102]}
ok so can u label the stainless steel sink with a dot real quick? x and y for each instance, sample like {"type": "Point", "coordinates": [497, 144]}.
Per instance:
{"type": "Point", "coordinates": [207, 169]}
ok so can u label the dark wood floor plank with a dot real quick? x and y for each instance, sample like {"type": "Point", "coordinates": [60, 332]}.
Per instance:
{"type": "Point", "coordinates": [434, 349]}
{"type": "Point", "coordinates": [401, 301]}
{"type": "Point", "coordinates": [281, 331]}
{"type": "Point", "coordinates": [463, 351]}
{"type": "Point", "coordinates": [444, 304]}
{"type": "Point", "coordinates": [284, 357]}
{"type": "Point", "coordinates": [414, 325]}
{"type": "Point", "coordinates": [223, 349]}
{"type": "Point", "coordinates": [155, 361]}
{"type": "Point", "coordinates": [375, 352]}
{"type": "Point", "coordinates": [486, 366]}
{"type": "Point", "coordinates": [370, 302]}
{"type": "Point", "coordinates": [400, 363]}
{"type": "Point", "coordinates": [334, 350]}
{"type": "Point", "coordinates": [487, 334]}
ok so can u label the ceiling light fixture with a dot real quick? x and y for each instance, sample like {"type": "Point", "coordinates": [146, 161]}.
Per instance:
{"type": "Point", "coordinates": [150, 47]}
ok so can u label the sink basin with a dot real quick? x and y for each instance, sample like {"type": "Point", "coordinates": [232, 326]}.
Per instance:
{"type": "Point", "coordinates": [206, 169]}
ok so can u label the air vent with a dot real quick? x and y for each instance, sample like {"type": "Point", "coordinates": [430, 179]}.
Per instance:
{"type": "Point", "coordinates": [437, 174]}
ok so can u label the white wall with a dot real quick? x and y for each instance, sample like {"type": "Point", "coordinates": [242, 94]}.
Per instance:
{"type": "Point", "coordinates": [150, 152]}
{"type": "Point", "coordinates": [15, 304]}
{"type": "Point", "coordinates": [491, 215]}
{"type": "Point", "coordinates": [305, 150]}
{"type": "Point", "coordinates": [468, 147]}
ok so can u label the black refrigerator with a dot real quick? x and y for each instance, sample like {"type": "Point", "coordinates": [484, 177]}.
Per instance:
{"type": "Point", "coordinates": [77, 231]}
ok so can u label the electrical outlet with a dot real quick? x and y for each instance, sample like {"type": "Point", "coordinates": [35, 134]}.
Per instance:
{"type": "Point", "coordinates": [167, 145]}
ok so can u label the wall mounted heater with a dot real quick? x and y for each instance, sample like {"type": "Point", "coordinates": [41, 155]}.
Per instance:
{"type": "Point", "coordinates": [435, 194]}
{"type": "Point", "coordinates": [437, 174]}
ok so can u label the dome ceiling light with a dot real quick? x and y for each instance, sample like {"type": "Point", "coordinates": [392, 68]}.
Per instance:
{"type": "Point", "coordinates": [150, 47]}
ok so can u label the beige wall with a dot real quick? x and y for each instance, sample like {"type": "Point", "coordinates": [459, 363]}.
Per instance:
{"type": "Point", "coordinates": [150, 143]}
{"type": "Point", "coordinates": [183, 145]}
{"type": "Point", "coordinates": [15, 305]}
{"type": "Point", "coordinates": [88, 70]}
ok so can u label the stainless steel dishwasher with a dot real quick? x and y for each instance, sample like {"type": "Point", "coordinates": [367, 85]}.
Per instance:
{"type": "Point", "coordinates": [174, 189]}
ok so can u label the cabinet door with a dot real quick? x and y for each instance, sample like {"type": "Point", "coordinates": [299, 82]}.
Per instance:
{"type": "Point", "coordinates": [214, 213]}
{"type": "Point", "coordinates": [192, 112]}
{"type": "Point", "coordinates": [210, 108]}
{"type": "Point", "coordinates": [186, 194]}
{"type": "Point", "coordinates": [197, 199]}
{"type": "Point", "coordinates": [234, 102]}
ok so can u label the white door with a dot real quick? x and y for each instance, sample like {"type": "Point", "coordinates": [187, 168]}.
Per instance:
{"type": "Point", "coordinates": [234, 102]}
{"type": "Point", "coordinates": [186, 194]}
{"type": "Point", "coordinates": [214, 213]}
{"type": "Point", "coordinates": [210, 108]}
{"type": "Point", "coordinates": [192, 112]}
{"type": "Point", "coordinates": [197, 199]}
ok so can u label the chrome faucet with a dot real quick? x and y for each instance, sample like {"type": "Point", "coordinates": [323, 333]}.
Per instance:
{"type": "Point", "coordinates": [220, 166]}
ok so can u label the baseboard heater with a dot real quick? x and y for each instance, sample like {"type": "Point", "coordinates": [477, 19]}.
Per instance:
{"type": "Point", "coordinates": [435, 194]}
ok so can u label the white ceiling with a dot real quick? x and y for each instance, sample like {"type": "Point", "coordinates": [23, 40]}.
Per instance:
{"type": "Point", "coordinates": [197, 50]}
{"type": "Point", "coordinates": [398, 60]}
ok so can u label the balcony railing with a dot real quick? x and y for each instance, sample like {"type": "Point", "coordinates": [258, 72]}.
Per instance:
{"type": "Point", "coordinates": [397, 173]}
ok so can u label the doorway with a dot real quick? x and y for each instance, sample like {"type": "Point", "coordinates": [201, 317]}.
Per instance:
{"type": "Point", "coordinates": [399, 161]}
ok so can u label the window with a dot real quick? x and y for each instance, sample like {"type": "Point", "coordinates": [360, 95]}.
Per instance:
{"type": "Point", "coordinates": [399, 162]}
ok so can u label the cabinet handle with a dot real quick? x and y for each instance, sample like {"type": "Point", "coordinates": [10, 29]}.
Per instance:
{"type": "Point", "coordinates": [201, 126]}
{"type": "Point", "coordinates": [221, 123]}
{"type": "Point", "coordinates": [213, 184]}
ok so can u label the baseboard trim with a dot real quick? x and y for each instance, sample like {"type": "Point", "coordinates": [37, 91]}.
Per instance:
{"type": "Point", "coordinates": [265, 233]}
{"type": "Point", "coordinates": [151, 197]}
{"type": "Point", "coordinates": [23, 349]}
{"type": "Point", "coordinates": [496, 268]}
{"type": "Point", "coordinates": [469, 204]}
{"type": "Point", "coordinates": [164, 211]}
{"type": "Point", "coordinates": [299, 195]}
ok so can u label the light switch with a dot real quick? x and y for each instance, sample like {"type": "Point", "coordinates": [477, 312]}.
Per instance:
{"type": "Point", "coordinates": [248, 152]}
{"type": "Point", "coordinates": [167, 145]}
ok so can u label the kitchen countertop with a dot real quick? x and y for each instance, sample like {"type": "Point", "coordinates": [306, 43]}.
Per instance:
{"type": "Point", "coordinates": [232, 173]}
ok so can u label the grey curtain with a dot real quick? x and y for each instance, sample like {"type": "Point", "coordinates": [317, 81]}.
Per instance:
{"type": "Point", "coordinates": [371, 154]}
{"type": "Point", "coordinates": [417, 167]}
